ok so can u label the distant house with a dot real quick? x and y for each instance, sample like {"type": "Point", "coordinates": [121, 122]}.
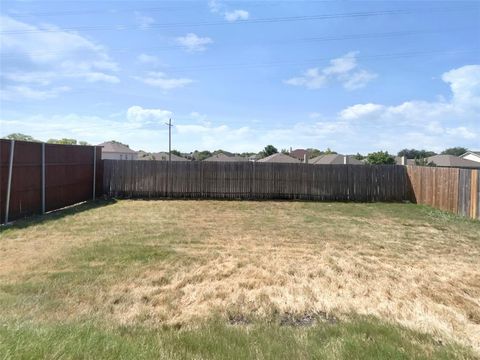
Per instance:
{"type": "Point", "coordinates": [335, 159]}
{"type": "Point", "coordinates": [402, 160]}
{"type": "Point", "coordinates": [453, 161]}
{"type": "Point", "coordinates": [299, 154]}
{"type": "Point", "coordinates": [112, 150]}
{"type": "Point", "coordinates": [163, 156]}
{"type": "Point", "coordinates": [223, 157]}
{"type": "Point", "coordinates": [472, 156]}
{"type": "Point", "coordinates": [279, 158]}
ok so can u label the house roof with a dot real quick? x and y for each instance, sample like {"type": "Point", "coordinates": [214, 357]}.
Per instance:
{"type": "Point", "coordinates": [164, 156]}
{"type": "Point", "coordinates": [115, 147]}
{"type": "Point", "coordinates": [223, 157]}
{"type": "Point", "coordinates": [298, 153]}
{"type": "Point", "coordinates": [279, 158]}
{"type": "Point", "coordinates": [452, 161]}
{"type": "Point", "coordinates": [334, 159]}
{"type": "Point", "coordinates": [471, 152]}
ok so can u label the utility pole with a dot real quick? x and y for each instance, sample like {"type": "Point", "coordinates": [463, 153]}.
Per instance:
{"type": "Point", "coordinates": [169, 124]}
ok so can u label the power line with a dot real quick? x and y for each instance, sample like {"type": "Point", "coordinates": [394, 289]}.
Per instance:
{"type": "Point", "coordinates": [270, 43]}
{"type": "Point", "coordinates": [249, 21]}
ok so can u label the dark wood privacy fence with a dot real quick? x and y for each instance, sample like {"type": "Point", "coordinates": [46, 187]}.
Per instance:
{"type": "Point", "coordinates": [68, 177]}
{"type": "Point", "coordinates": [248, 180]}
{"type": "Point", "coordinates": [451, 189]}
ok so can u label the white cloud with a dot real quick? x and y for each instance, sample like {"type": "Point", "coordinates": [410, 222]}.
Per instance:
{"type": "Point", "coordinates": [192, 42]}
{"type": "Point", "coordinates": [311, 79]}
{"type": "Point", "coordinates": [20, 92]}
{"type": "Point", "coordinates": [215, 6]}
{"type": "Point", "coordinates": [40, 56]}
{"type": "Point", "coordinates": [340, 69]}
{"type": "Point", "coordinates": [139, 115]}
{"type": "Point", "coordinates": [342, 65]}
{"type": "Point", "coordinates": [143, 21]}
{"type": "Point", "coordinates": [236, 15]}
{"type": "Point", "coordinates": [358, 79]}
{"type": "Point", "coordinates": [161, 80]}
{"type": "Point", "coordinates": [358, 111]}
{"type": "Point", "coordinates": [148, 59]}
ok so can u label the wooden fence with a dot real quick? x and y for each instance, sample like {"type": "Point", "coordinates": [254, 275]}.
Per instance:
{"type": "Point", "coordinates": [450, 189]}
{"type": "Point", "coordinates": [248, 180]}
{"type": "Point", "coordinates": [37, 177]}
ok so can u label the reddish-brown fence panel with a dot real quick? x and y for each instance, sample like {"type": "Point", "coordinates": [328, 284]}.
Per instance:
{"type": "Point", "coordinates": [69, 173]}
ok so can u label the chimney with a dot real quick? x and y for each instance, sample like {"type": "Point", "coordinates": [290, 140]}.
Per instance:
{"type": "Point", "coordinates": [290, 149]}
{"type": "Point", "coordinates": [344, 159]}
{"type": "Point", "coordinates": [305, 158]}
{"type": "Point", "coordinates": [404, 160]}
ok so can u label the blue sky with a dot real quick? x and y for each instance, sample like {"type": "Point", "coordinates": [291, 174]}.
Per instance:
{"type": "Point", "coordinates": [354, 76]}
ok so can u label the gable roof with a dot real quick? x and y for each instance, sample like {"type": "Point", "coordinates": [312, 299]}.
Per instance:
{"type": "Point", "coordinates": [279, 158]}
{"type": "Point", "coordinates": [452, 161]}
{"type": "Point", "coordinates": [477, 153]}
{"type": "Point", "coordinates": [115, 147]}
{"type": "Point", "coordinates": [163, 156]}
{"type": "Point", "coordinates": [298, 153]}
{"type": "Point", "coordinates": [335, 159]}
{"type": "Point", "coordinates": [223, 157]}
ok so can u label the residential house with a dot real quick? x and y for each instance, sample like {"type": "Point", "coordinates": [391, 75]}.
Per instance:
{"type": "Point", "coordinates": [163, 156]}
{"type": "Point", "coordinates": [279, 158]}
{"type": "Point", "coordinates": [335, 159]}
{"type": "Point", "coordinates": [402, 160]}
{"type": "Point", "coordinates": [472, 156]}
{"type": "Point", "coordinates": [112, 150]}
{"type": "Point", "coordinates": [452, 161]}
{"type": "Point", "coordinates": [223, 157]}
{"type": "Point", "coordinates": [299, 154]}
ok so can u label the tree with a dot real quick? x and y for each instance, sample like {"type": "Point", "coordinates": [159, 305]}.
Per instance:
{"type": "Point", "coordinates": [415, 154]}
{"type": "Point", "coordinates": [20, 137]}
{"type": "Point", "coordinates": [285, 151]}
{"type": "Point", "coordinates": [82, 143]}
{"type": "Point", "coordinates": [380, 157]}
{"type": "Point", "coordinates": [312, 152]}
{"type": "Point", "coordinates": [201, 155]}
{"type": "Point", "coordinates": [329, 151]}
{"type": "Point", "coordinates": [63, 141]}
{"type": "Point", "coordinates": [176, 152]}
{"type": "Point", "coordinates": [359, 156]}
{"type": "Point", "coordinates": [455, 151]}
{"type": "Point", "coordinates": [269, 150]}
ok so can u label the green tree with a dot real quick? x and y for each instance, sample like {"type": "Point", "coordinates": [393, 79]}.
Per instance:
{"type": "Point", "coordinates": [455, 151]}
{"type": "Point", "coordinates": [82, 143]}
{"type": "Point", "coordinates": [176, 152]}
{"type": "Point", "coordinates": [380, 157]}
{"type": "Point", "coordinates": [359, 156]}
{"type": "Point", "coordinates": [20, 137]}
{"type": "Point", "coordinates": [415, 154]}
{"type": "Point", "coordinates": [201, 155]}
{"type": "Point", "coordinates": [329, 151]}
{"type": "Point", "coordinates": [269, 150]}
{"type": "Point", "coordinates": [312, 152]}
{"type": "Point", "coordinates": [63, 141]}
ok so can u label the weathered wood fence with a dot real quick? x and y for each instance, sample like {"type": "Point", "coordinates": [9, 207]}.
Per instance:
{"type": "Point", "coordinates": [450, 189]}
{"type": "Point", "coordinates": [249, 180]}
{"type": "Point", "coordinates": [37, 177]}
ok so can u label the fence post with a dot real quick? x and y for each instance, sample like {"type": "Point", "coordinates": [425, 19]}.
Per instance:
{"type": "Point", "coordinates": [9, 184]}
{"type": "Point", "coordinates": [43, 179]}
{"type": "Point", "coordinates": [94, 171]}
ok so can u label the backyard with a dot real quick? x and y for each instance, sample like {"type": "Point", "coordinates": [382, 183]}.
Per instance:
{"type": "Point", "coordinates": [240, 279]}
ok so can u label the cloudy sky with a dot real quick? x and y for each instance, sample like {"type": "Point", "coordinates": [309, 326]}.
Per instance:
{"type": "Point", "coordinates": [353, 76]}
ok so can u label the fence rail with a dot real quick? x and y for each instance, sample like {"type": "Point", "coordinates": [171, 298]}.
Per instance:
{"type": "Point", "coordinates": [36, 177]}
{"type": "Point", "coordinates": [248, 180]}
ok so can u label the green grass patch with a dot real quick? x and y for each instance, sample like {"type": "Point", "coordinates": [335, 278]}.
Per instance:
{"type": "Point", "coordinates": [361, 338]}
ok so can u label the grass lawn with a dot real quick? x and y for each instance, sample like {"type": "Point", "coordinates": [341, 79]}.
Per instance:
{"type": "Point", "coordinates": [230, 279]}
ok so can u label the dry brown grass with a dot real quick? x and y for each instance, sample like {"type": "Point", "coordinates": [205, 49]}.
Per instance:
{"type": "Point", "coordinates": [399, 262]}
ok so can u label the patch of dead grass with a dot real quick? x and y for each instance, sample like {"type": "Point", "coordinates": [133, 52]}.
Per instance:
{"type": "Point", "coordinates": [261, 259]}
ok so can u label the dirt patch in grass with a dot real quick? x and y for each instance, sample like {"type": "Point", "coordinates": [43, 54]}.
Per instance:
{"type": "Point", "coordinates": [178, 262]}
